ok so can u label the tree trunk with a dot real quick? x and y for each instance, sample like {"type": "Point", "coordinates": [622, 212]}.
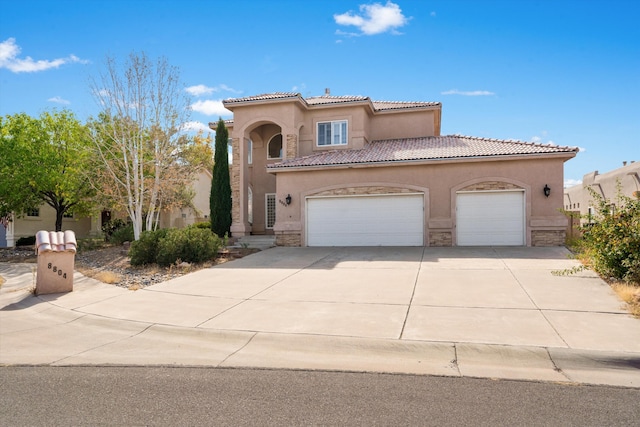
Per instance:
{"type": "Point", "coordinates": [59, 216]}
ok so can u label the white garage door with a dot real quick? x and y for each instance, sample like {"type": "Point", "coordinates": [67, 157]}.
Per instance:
{"type": "Point", "coordinates": [382, 220]}
{"type": "Point", "coordinates": [490, 219]}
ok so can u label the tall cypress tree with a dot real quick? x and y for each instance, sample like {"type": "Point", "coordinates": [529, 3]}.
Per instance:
{"type": "Point", "coordinates": [220, 200]}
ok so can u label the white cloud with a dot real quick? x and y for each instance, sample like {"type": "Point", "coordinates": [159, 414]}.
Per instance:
{"type": "Point", "coordinates": [374, 19]}
{"type": "Point", "coordinates": [228, 89]}
{"type": "Point", "coordinates": [571, 182]}
{"type": "Point", "coordinates": [199, 90]}
{"type": "Point", "coordinates": [59, 100]}
{"type": "Point", "coordinates": [539, 139]}
{"type": "Point", "coordinates": [468, 92]}
{"type": "Point", "coordinates": [9, 52]}
{"type": "Point", "coordinates": [196, 126]}
{"type": "Point", "coordinates": [210, 107]}
{"type": "Point", "coordinates": [301, 88]}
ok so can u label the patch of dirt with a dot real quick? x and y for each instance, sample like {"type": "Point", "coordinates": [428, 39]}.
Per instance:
{"type": "Point", "coordinates": [111, 265]}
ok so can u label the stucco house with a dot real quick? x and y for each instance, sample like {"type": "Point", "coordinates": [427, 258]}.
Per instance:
{"type": "Point", "coordinates": [350, 171]}
{"type": "Point", "coordinates": [624, 180]}
{"type": "Point", "coordinates": [44, 217]}
{"type": "Point", "coordinates": [197, 211]}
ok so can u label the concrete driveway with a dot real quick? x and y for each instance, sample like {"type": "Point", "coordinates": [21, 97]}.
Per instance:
{"type": "Point", "coordinates": [446, 311]}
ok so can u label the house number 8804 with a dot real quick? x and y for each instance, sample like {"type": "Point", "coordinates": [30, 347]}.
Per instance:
{"type": "Point", "coordinates": [55, 270]}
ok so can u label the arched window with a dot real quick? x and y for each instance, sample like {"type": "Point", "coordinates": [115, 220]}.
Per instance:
{"type": "Point", "coordinates": [274, 148]}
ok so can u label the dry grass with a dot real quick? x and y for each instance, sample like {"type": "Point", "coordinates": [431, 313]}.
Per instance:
{"type": "Point", "coordinates": [107, 277]}
{"type": "Point", "coordinates": [629, 294]}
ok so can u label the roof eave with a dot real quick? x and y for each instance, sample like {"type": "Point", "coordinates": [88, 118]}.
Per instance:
{"type": "Point", "coordinates": [228, 123]}
{"type": "Point", "coordinates": [387, 163]}
{"type": "Point", "coordinates": [405, 109]}
{"type": "Point", "coordinates": [230, 104]}
{"type": "Point", "coordinates": [350, 103]}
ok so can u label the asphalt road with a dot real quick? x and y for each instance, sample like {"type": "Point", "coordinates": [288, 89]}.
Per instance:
{"type": "Point", "coordinates": [206, 396]}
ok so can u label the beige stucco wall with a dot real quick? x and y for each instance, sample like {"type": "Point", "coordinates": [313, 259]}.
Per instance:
{"type": "Point", "coordinates": [27, 226]}
{"type": "Point", "coordinates": [626, 178]}
{"type": "Point", "coordinates": [439, 182]}
{"type": "Point", "coordinates": [182, 217]}
{"type": "Point", "coordinates": [410, 124]}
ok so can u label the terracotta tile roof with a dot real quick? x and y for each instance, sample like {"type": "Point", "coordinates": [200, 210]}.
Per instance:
{"type": "Point", "coordinates": [263, 97]}
{"type": "Point", "coordinates": [227, 122]}
{"type": "Point", "coordinates": [396, 105]}
{"type": "Point", "coordinates": [425, 148]}
{"type": "Point", "coordinates": [328, 99]}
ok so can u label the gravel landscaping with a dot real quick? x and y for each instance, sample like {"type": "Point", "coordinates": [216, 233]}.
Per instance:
{"type": "Point", "coordinates": [111, 265]}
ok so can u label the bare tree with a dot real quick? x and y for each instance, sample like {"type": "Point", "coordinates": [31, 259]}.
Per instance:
{"type": "Point", "coordinates": [138, 137]}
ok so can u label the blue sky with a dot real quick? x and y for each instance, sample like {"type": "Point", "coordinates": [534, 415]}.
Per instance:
{"type": "Point", "coordinates": [561, 72]}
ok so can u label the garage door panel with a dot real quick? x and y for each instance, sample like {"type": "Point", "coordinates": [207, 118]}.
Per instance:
{"type": "Point", "coordinates": [366, 221]}
{"type": "Point", "coordinates": [490, 219]}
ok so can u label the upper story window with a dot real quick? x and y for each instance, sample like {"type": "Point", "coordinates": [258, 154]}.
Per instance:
{"type": "Point", "coordinates": [332, 133]}
{"type": "Point", "coordinates": [274, 148]}
{"type": "Point", "coordinates": [249, 152]}
{"type": "Point", "coordinates": [34, 212]}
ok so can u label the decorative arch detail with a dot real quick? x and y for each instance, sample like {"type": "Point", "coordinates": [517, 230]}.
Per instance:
{"type": "Point", "coordinates": [491, 185]}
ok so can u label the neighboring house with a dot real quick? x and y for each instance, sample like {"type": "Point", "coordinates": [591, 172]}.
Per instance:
{"type": "Point", "coordinates": [44, 218]}
{"type": "Point", "coordinates": [199, 209]}
{"type": "Point", "coordinates": [625, 180]}
{"type": "Point", "coordinates": [349, 171]}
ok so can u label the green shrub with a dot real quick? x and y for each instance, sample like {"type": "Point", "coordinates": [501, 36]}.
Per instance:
{"type": "Point", "coordinates": [612, 238]}
{"type": "Point", "coordinates": [89, 244]}
{"type": "Point", "coordinates": [26, 241]}
{"type": "Point", "coordinates": [122, 234]}
{"type": "Point", "coordinates": [111, 226]}
{"type": "Point", "coordinates": [145, 250]}
{"type": "Point", "coordinates": [191, 244]}
{"type": "Point", "coordinates": [204, 225]}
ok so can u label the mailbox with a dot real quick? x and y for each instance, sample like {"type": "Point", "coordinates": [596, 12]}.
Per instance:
{"type": "Point", "coordinates": [56, 258]}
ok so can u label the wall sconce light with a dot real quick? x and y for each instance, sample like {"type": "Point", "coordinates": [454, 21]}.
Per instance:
{"type": "Point", "coordinates": [546, 190]}
{"type": "Point", "coordinates": [288, 199]}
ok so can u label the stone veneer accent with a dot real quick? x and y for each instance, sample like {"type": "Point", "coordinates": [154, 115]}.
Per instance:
{"type": "Point", "coordinates": [353, 191]}
{"type": "Point", "coordinates": [548, 237]}
{"type": "Point", "coordinates": [491, 185]}
{"type": "Point", "coordinates": [292, 146]}
{"type": "Point", "coordinates": [235, 181]}
{"type": "Point", "coordinates": [440, 238]}
{"type": "Point", "coordinates": [288, 240]}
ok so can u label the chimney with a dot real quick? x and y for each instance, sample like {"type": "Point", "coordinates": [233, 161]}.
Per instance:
{"type": "Point", "coordinates": [327, 91]}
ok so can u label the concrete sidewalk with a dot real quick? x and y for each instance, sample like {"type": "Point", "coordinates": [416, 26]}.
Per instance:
{"type": "Point", "coordinates": [479, 312]}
